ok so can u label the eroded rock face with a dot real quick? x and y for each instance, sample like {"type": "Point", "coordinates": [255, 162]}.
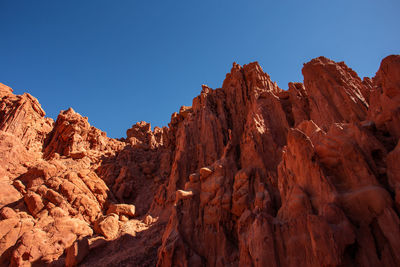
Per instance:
{"type": "Point", "coordinates": [310, 165]}
{"type": "Point", "coordinates": [73, 137]}
{"type": "Point", "coordinates": [385, 98]}
{"type": "Point", "coordinates": [23, 117]}
{"type": "Point", "coordinates": [334, 92]}
{"type": "Point", "coordinates": [249, 175]}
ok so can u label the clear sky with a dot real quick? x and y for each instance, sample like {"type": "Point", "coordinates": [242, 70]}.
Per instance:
{"type": "Point", "coordinates": [119, 62]}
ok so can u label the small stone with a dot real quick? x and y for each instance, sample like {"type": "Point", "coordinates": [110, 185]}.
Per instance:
{"type": "Point", "coordinates": [181, 194]}
{"type": "Point", "coordinates": [34, 203]}
{"type": "Point", "coordinates": [205, 172]}
{"type": "Point", "coordinates": [149, 219]}
{"type": "Point", "coordinates": [122, 209]}
{"type": "Point", "coordinates": [107, 226]}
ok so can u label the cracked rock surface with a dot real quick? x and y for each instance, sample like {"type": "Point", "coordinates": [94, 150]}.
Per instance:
{"type": "Point", "coordinates": [249, 175]}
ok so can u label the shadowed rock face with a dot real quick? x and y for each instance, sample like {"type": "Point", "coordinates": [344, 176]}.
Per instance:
{"type": "Point", "coordinates": [250, 175]}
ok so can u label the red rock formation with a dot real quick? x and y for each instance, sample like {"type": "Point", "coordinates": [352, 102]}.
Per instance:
{"type": "Point", "coordinates": [23, 117]}
{"type": "Point", "coordinates": [250, 175]}
{"type": "Point", "coordinates": [385, 98]}
{"type": "Point", "coordinates": [334, 92]}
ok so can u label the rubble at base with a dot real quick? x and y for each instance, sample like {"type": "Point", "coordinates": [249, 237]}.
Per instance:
{"type": "Point", "coordinates": [249, 175]}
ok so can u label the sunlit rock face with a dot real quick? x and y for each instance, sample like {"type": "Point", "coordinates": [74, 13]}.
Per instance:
{"type": "Point", "coordinates": [249, 175]}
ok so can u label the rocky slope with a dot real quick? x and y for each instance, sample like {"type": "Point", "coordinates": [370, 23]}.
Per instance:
{"type": "Point", "coordinates": [249, 175]}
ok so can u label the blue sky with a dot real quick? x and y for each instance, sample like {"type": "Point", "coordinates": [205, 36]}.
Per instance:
{"type": "Point", "coordinates": [119, 62]}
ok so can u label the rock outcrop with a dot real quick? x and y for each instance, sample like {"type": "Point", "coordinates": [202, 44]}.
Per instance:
{"type": "Point", "coordinates": [249, 175]}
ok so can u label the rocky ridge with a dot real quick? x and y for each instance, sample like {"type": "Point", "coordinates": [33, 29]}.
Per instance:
{"type": "Point", "coordinates": [249, 175]}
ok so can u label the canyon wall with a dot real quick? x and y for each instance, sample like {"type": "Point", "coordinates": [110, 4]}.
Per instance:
{"type": "Point", "coordinates": [249, 175]}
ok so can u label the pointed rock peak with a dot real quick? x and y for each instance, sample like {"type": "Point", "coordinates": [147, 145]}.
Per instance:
{"type": "Point", "coordinates": [138, 129]}
{"type": "Point", "coordinates": [69, 110]}
{"type": "Point", "coordinates": [319, 61]}
{"type": "Point", "coordinates": [388, 75]}
{"type": "Point", "coordinates": [72, 116]}
{"type": "Point", "coordinates": [255, 71]}
{"type": "Point", "coordinates": [236, 66]}
{"type": "Point", "coordinates": [141, 135]}
{"type": "Point", "coordinates": [242, 173]}
{"type": "Point", "coordinates": [253, 66]}
{"type": "Point", "coordinates": [247, 68]}
{"type": "Point", "coordinates": [337, 70]}
{"type": "Point", "coordinates": [185, 111]}
{"type": "Point", "coordinates": [143, 125]}
{"type": "Point", "coordinates": [340, 68]}
{"type": "Point", "coordinates": [5, 90]}
{"type": "Point", "coordinates": [205, 89]}
{"type": "Point", "coordinates": [70, 113]}
{"type": "Point", "coordinates": [336, 91]}
{"type": "Point", "coordinates": [387, 62]}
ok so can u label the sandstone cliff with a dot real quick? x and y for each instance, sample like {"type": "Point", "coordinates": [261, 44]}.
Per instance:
{"type": "Point", "coordinates": [249, 175]}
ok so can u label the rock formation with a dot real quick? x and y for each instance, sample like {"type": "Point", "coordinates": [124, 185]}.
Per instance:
{"type": "Point", "coordinates": [249, 175]}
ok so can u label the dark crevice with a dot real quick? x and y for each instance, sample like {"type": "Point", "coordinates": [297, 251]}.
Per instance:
{"type": "Point", "coordinates": [287, 108]}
